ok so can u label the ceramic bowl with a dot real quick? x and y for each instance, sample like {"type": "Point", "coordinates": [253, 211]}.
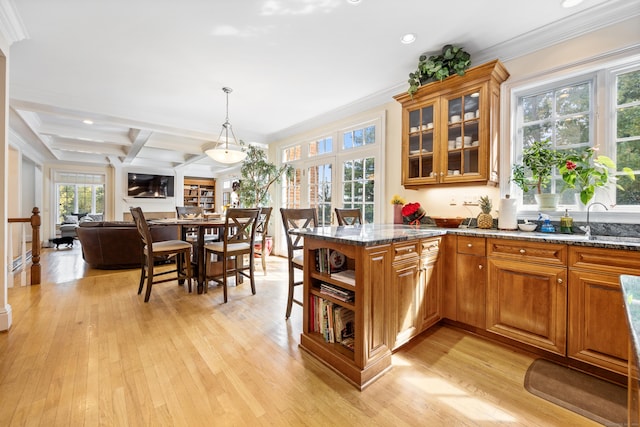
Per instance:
{"type": "Point", "coordinates": [528, 227]}
{"type": "Point", "coordinates": [448, 222]}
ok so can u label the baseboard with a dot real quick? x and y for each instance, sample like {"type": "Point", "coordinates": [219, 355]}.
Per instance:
{"type": "Point", "coordinates": [5, 318]}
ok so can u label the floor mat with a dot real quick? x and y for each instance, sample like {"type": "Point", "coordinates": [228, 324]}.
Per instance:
{"type": "Point", "coordinates": [584, 394]}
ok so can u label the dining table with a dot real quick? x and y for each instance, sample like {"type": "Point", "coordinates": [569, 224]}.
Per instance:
{"type": "Point", "coordinates": [199, 225]}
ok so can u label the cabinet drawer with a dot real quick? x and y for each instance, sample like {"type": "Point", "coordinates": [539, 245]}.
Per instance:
{"type": "Point", "coordinates": [613, 261]}
{"type": "Point", "coordinates": [471, 245]}
{"type": "Point", "coordinates": [406, 250]}
{"type": "Point", "coordinates": [429, 248]}
{"type": "Point", "coordinates": [546, 253]}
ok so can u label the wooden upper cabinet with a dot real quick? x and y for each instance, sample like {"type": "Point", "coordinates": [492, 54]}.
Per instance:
{"type": "Point", "coordinates": [450, 129]}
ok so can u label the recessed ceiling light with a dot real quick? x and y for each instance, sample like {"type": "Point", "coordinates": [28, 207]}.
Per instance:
{"type": "Point", "coordinates": [354, 1]}
{"type": "Point", "coordinates": [87, 122]}
{"type": "Point", "coordinates": [570, 3]}
{"type": "Point", "coordinates": [408, 38]}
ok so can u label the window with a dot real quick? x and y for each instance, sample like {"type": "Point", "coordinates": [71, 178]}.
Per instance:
{"type": "Point", "coordinates": [320, 190]}
{"type": "Point", "coordinates": [358, 186]}
{"type": "Point", "coordinates": [561, 114]}
{"type": "Point", "coordinates": [359, 137]}
{"type": "Point", "coordinates": [600, 109]}
{"type": "Point", "coordinates": [627, 120]}
{"type": "Point", "coordinates": [291, 190]}
{"type": "Point", "coordinates": [321, 146]}
{"type": "Point", "coordinates": [78, 193]}
{"type": "Point", "coordinates": [337, 169]}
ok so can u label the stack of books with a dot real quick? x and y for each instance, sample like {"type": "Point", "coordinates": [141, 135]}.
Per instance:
{"type": "Point", "coordinates": [337, 292]}
{"type": "Point", "coordinates": [334, 322]}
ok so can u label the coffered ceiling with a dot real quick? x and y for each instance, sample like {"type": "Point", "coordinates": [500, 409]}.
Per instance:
{"type": "Point", "coordinates": [149, 73]}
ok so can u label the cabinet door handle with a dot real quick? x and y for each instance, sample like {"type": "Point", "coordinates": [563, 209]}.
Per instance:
{"type": "Point", "coordinates": [480, 267]}
{"type": "Point", "coordinates": [469, 245]}
{"type": "Point", "coordinates": [559, 280]}
{"type": "Point", "coordinates": [522, 251]}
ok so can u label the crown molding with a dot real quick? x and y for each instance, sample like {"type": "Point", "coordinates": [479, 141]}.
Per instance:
{"type": "Point", "coordinates": [11, 25]}
{"type": "Point", "coordinates": [576, 25]}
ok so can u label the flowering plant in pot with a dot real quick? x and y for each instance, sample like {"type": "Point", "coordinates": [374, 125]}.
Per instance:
{"type": "Point", "coordinates": [413, 214]}
{"type": "Point", "coordinates": [581, 171]}
{"type": "Point", "coordinates": [397, 203]}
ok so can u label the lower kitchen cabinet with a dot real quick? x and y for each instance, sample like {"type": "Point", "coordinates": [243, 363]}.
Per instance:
{"type": "Point", "coordinates": [471, 281]}
{"type": "Point", "coordinates": [405, 272]}
{"type": "Point", "coordinates": [598, 330]}
{"type": "Point", "coordinates": [526, 296]}
{"type": "Point", "coordinates": [431, 273]}
{"type": "Point", "coordinates": [416, 288]}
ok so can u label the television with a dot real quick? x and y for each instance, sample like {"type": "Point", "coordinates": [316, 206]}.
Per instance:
{"type": "Point", "coordinates": [149, 186]}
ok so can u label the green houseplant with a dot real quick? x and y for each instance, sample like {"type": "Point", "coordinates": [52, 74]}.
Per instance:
{"type": "Point", "coordinates": [536, 170]}
{"type": "Point", "coordinates": [581, 171]}
{"type": "Point", "coordinates": [452, 60]}
{"type": "Point", "coordinates": [258, 175]}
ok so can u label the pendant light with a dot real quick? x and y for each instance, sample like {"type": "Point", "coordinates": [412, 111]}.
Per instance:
{"type": "Point", "coordinates": [220, 151]}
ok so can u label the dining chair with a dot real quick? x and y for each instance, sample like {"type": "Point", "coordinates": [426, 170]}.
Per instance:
{"type": "Point", "coordinates": [262, 229]}
{"type": "Point", "coordinates": [296, 218]}
{"type": "Point", "coordinates": [238, 240]}
{"type": "Point", "coordinates": [348, 216]}
{"type": "Point", "coordinates": [178, 248]}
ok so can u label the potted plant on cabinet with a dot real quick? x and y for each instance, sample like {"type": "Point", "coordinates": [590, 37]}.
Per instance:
{"type": "Point", "coordinates": [536, 171]}
{"type": "Point", "coordinates": [452, 60]}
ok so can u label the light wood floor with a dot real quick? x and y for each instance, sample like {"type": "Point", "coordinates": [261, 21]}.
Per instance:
{"type": "Point", "coordinates": [84, 349]}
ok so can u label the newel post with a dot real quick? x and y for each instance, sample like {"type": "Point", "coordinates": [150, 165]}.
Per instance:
{"type": "Point", "coordinates": [35, 246]}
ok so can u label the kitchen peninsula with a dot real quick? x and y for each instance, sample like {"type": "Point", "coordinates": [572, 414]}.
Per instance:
{"type": "Point", "coordinates": [534, 290]}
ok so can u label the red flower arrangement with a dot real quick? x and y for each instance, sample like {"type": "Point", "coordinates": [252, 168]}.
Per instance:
{"type": "Point", "coordinates": [570, 165]}
{"type": "Point", "coordinates": [412, 213]}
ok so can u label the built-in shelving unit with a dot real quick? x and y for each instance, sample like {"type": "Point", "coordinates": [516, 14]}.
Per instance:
{"type": "Point", "coordinates": [200, 192]}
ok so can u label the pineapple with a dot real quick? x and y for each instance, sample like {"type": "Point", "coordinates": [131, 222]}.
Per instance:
{"type": "Point", "coordinates": [485, 220]}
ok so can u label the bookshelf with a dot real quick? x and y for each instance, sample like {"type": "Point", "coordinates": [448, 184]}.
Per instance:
{"type": "Point", "coordinates": [347, 291]}
{"type": "Point", "coordinates": [200, 192]}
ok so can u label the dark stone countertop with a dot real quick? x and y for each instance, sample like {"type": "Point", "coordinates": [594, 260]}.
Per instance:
{"type": "Point", "coordinates": [377, 234]}
{"type": "Point", "coordinates": [631, 295]}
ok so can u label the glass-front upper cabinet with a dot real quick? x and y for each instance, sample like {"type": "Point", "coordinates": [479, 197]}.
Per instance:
{"type": "Point", "coordinates": [464, 143]}
{"type": "Point", "coordinates": [420, 149]}
{"type": "Point", "coordinates": [450, 129]}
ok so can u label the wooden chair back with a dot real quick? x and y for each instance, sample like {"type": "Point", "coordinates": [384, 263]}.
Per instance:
{"type": "Point", "coordinates": [240, 227]}
{"type": "Point", "coordinates": [142, 226]}
{"type": "Point", "coordinates": [348, 216]}
{"type": "Point", "coordinates": [297, 218]}
{"type": "Point", "coordinates": [189, 211]}
{"type": "Point", "coordinates": [262, 226]}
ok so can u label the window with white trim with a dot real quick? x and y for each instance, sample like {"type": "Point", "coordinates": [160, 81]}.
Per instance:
{"type": "Point", "coordinates": [600, 109]}
{"type": "Point", "coordinates": [337, 169]}
{"type": "Point", "coordinates": [78, 193]}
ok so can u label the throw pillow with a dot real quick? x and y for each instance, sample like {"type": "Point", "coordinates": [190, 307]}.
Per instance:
{"type": "Point", "coordinates": [70, 219]}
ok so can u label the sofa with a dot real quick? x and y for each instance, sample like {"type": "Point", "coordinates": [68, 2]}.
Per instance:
{"type": "Point", "coordinates": [110, 245]}
{"type": "Point", "coordinates": [71, 223]}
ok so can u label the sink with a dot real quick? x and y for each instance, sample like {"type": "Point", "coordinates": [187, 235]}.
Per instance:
{"type": "Point", "coordinates": [625, 239]}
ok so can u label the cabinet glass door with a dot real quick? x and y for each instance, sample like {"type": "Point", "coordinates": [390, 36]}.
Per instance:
{"type": "Point", "coordinates": [463, 136]}
{"type": "Point", "coordinates": [421, 143]}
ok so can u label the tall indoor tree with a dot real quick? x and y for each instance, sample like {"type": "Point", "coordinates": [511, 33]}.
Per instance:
{"type": "Point", "coordinates": [258, 175]}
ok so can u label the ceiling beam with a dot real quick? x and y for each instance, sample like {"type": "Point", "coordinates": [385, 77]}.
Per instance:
{"type": "Point", "coordinates": [138, 138]}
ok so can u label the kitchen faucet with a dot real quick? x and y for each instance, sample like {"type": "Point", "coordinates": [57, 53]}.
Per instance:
{"type": "Point", "coordinates": [587, 228]}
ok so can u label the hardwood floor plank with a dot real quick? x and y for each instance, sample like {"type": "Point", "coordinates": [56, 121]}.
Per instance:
{"type": "Point", "coordinates": [85, 349]}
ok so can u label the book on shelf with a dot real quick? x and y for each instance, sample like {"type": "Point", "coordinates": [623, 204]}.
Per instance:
{"type": "Point", "coordinates": [330, 261]}
{"type": "Point", "coordinates": [334, 322]}
{"type": "Point", "coordinates": [346, 276]}
{"type": "Point", "coordinates": [337, 292]}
